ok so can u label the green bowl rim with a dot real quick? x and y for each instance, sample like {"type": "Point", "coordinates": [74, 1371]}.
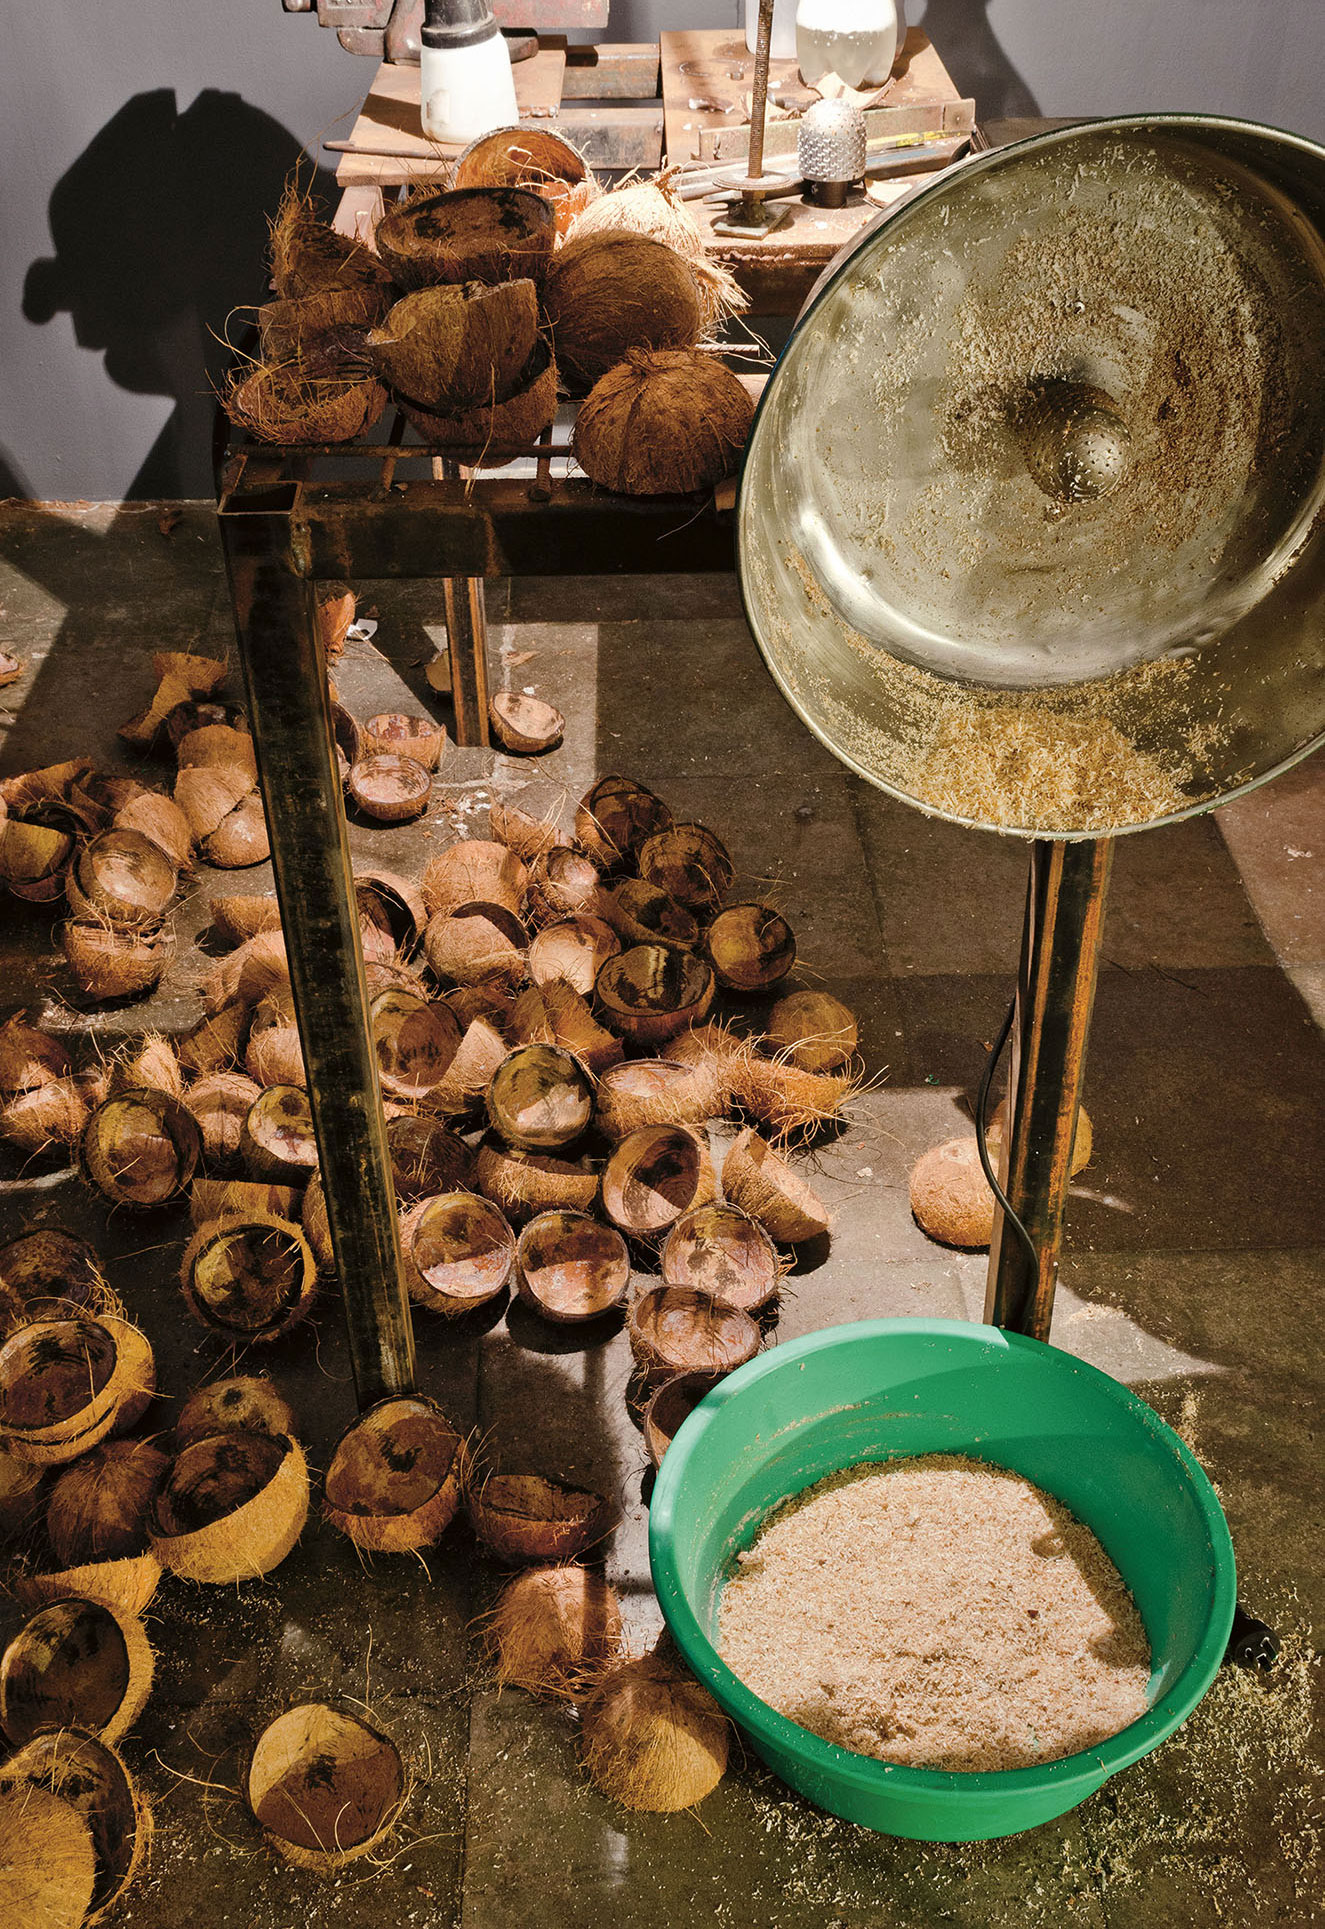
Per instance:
{"type": "Point", "coordinates": [826, 1759]}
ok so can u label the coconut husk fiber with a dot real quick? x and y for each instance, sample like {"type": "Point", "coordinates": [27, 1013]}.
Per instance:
{"type": "Point", "coordinates": [275, 402]}
{"type": "Point", "coordinates": [572, 952]}
{"type": "Point", "coordinates": [473, 870]}
{"type": "Point", "coordinates": [243, 1403]}
{"type": "Point", "coordinates": [108, 964]}
{"type": "Point", "coordinates": [140, 1148]}
{"type": "Point", "coordinates": [554, 1013]}
{"type": "Point", "coordinates": [52, 1115]}
{"type": "Point", "coordinates": [489, 234]}
{"type": "Point", "coordinates": [324, 1787]}
{"type": "Point", "coordinates": [651, 993]}
{"type": "Point", "coordinates": [47, 1862]}
{"type": "Point", "coordinates": [231, 1198]}
{"type": "Point", "coordinates": [393, 1484]}
{"type": "Point", "coordinates": [220, 1102]}
{"type": "Point", "coordinates": [127, 1584]}
{"type": "Point", "coordinates": [607, 294]}
{"type": "Point", "coordinates": [950, 1196]}
{"type": "Point", "coordinates": [456, 347]}
{"type": "Point", "coordinates": [232, 1507]}
{"type": "Point", "coordinates": [528, 836]}
{"type": "Point", "coordinates": [51, 1264]}
{"type": "Point", "coordinates": [528, 1518]}
{"type": "Point", "coordinates": [524, 1183]}
{"type": "Point", "coordinates": [88, 1775]}
{"type": "Point", "coordinates": [427, 1157]}
{"type": "Point", "coordinates": [761, 1182]}
{"type": "Point", "coordinates": [75, 1664]}
{"type": "Point", "coordinates": [814, 1030]}
{"type": "Point", "coordinates": [552, 1628]}
{"type": "Point", "coordinates": [654, 208]}
{"type": "Point", "coordinates": [614, 818]}
{"type": "Point", "coordinates": [324, 332]}
{"type": "Point", "coordinates": [61, 1381]}
{"type": "Point", "coordinates": [490, 429]}
{"type": "Point", "coordinates": [30, 1057]}
{"type": "Point", "coordinates": [274, 1054]}
{"type": "Point", "coordinates": [653, 1739]}
{"type": "Point", "coordinates": [477, 944]}
{"type": "Point", "coordinates": [22, 1494]}
{"type": "Point", "coordinates": [458, 1251]}
{"type": "Point", "coordinates": [789, 1102]}
{"type": "Point", "coordinates": [308, 254]}
{"type": "Point", "coordinates": [663, 422]}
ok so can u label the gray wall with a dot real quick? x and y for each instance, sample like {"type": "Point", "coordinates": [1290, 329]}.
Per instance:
{"type": "Point", "coordinates": [145, 142]}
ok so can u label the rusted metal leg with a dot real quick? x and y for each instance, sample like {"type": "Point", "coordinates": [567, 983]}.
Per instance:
{"type": "Point", "coordinates": [467, 640]}
{"type": "Point", "coordinates": [286, 685]}
{"type": "Point", "coordinates": [1060, 952]}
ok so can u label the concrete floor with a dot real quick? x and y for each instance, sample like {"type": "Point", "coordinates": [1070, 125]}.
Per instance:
{"type": "Point", "coordinates": [1195, 1271]}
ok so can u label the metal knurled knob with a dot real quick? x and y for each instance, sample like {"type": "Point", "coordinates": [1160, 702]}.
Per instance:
{"type": "Point", "coordinates": [831, 143]}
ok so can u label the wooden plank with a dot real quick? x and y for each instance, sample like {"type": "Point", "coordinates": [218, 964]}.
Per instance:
{"type": "Point", "coordinates": [614, 136]}
{"type": "Point", "coordinates": [390, 118]}
{"type": "Point", "coordinates": [723, 72]}
{"type": "Point", "coordinates": [780, 137]}
{"type": "Point", "coordinates": [613, 70]}
{"type": "Point", "coordinates": [358, 212]}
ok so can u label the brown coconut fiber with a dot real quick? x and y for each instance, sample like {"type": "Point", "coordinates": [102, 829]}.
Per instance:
{"type": "Point", "coordinates": [276, 403]}
{"type": "Point", "coordinates": [525, 1518]}
{"type": "Point", "coordinates": [552, 1629]}
{"type": "Point", "coordinates": [488, 234]}
{"type": "Point", "coordinates": [127, 1584]}
{"type": "Point", "coordinates": [47, 1862]}
{"type": "Point", "coordinates": [107, 964]}
{"type": "Point", "coordinates": [950, 1196]}
{"type": "Point", "coordinates": [655, 208]}
{"type": "Point", "coordinates": [653, 1739]}
{"type": "Point", "coordinates": [491, 431]}
{"type": "Point", "coordinates": [608, 294]}
{"type": "Point", "coordinates": [658, 1091]}
{"type": "Point", "coordinates": [99, 1507]}
{"type": "Point", "coordinates": [761, 1182]}
{"type": "Point", "coordinates": [663, 422]}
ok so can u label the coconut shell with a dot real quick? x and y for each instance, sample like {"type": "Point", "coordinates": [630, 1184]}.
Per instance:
{"type": "Point", "coordinates": [528, 836]}
{"type": "Point", "coordinates": [675, 1329]}
{"type": "Point", "coordinates": [655, 1174]}
{"type": "Point", "coordinates": [60, 1384]}
{"type": "Point", "coordinates": [488, 234]}
{"type": "Point", "coordinates": [232, 1507]}
{"type": "Point", "coordinates": [477, 944]}
{"type": "Point", "coordinates": [75, 1664]}
{"type": "Point", "coordinates": [951, 1197]}
{"type": "Point", "coordinates": [651, 993]}
{"type": "Point", "coordinates": [47, 1861]}
{"type": "Point", "coordinates": [669, 1407]}
{"type": "Point", "coordinates": [30, 1057]}
{"type": "Point", "coordinates": [427, 1157]}
{"type": "Point", "coordinates": [552, 1628]}
{"type": "Point", "coordinates": [416, 1040]}
{"type": "Point", "coordinates": [540, 1098]}
{"type": "Point", "coordinates": [106, 963]}
{"type": "Point", "coordinates": [48, 1267]}
{"type": "Point", "coordinates": [572, 1025]}
{"type": "Point", "coordinates": [653, 1738]}
{"type": "Point", "coordinates": [159, 818]}
{"type": "Point", "coordinates": [324, 330]}
{"type": "Point", "coordinates": [533, 158]}
{"type": "Point", "coordinates": [570, 1269]}
{"type": "Point", "coordinates": [98, 1507]}
{"type": "Point", "coordinates": [393, 1484]}
{"type": "Point", "coordinates": [308, 254]}
{"type": "Point", "coordinates": [474, 871]}
{"type": "Point", "coordinates": [573, 952]}
{"type": "Point", "coordinates": [813, 1030]}
{"type": "Point", "coordinates": [607, 294]}
{"type": "Point", "coordinates": [670, 422]}
{"type": "Point", "coordinates": [34, 860]}
{"type": "Point", "coordinates": [89, 1776]}
{"type": "Point", "coordinates": [389, 788]}
{"type": "Point", "coordinates": [394, 733]}
{"type": "Point", "coordinates": [640, 913]}
{"type": "Point", "coordinates": [255, 970]}
{"type": "Point", "coordinates": [240, 839]}
{"type": "Point", "coordinates": [220, 744]}
{"type": "Point", "coordinates": [692, 864]}
{"type": "Point", "coordinates": [655, 208]}
{"type": "Point", "coordinates": [656, 1091]}
{"type": "Point", "coordinates": [275, 403]}
{"type": "Point", "coordinates": [150, 1064]}
{"type": "Point", "coordinates": [140, 1149]}
{"type": "Point", "coordinates": [563, 884]}
{"type": "Point", "coordinates": [135, 1372]}
{"type": "Point", "coordinates": [758, 1180]}
{"type": "Point", "coordinates": [249, 1279]}
{"type": "Point", "coordinates": [458, 1252]}
{"type": "Point", "coordinates": [487, 430]}
{"type": "Point", "coordinates": [525, 1518]}
{"type": "Point", "coordinates": [455, 347]}
{"type": "Point", "coordinates": [526, 726]}
{"type": "Point", "coordinates": [325, 1787]}
{"type": "Point", "coordinates": [274, 1054]}
{"type": "Point", "coordinates": [277, 1141]}
{"type": "Point", "coordinates": [52, 1115]}
{"type": "Point", "coordinates": [207, 793]}
{"type": "Point", "coordinates": [722, 1251]}
{"type": "Point", "coordinates": [615, 817]}
{"type": "Point", "coordinates": [524, 1183]}
{"type": "Point", "coordinates": [750, 946]}
{"type": "Point", "coordinates": [225, 1198]}
{"type": "Point", "coordinates": [22, 1494]}
{"type": "Point", "coordinates": [124, 877]}
{"type": "Point", "coordinates": [53, 783]}
{"type": "Point", "coordinates": [126, 1585]}
{"type": "Point", "coordinates": [245, 1403]}
{"type": "Point", "coordinates": [236, 918]}
{"type": "Point", "coordinates": [462, 1088]}
{"type": "Point", "coordinates": [785, 1100]}
{"type": "Point", "coordinates": [471, 1002]}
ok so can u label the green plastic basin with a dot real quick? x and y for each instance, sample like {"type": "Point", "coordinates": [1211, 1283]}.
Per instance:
{"type": "Point", "coordinates": [884, 1388]}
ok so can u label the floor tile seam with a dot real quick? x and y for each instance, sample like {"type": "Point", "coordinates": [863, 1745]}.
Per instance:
{"type": "Point", "coordinates": [854, 793]}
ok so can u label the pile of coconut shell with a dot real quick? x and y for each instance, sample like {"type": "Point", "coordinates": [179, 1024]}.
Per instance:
{"type": "Point", "coordinates": [484, 296]}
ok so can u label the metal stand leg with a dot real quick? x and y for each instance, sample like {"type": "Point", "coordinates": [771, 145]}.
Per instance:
{"type": "Point", "coordinates": [1060, 954]}
{"type": "Point", "coordinates": [288, 710]}
{"type": "Point", "coordinates": [467, 639]}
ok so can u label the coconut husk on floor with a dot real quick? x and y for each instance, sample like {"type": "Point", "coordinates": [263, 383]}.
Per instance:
{"type": "Point", "coordinates": [458, 1252]}
{"type": "Point", "coordinates": [389, 788]}
{"type": "Point", "coordinates": [528, 836]}
{"type": "Point", "coordinates": [277, 1142]}
{"type": "Point", "coordinates": [127, 1584]}
{"type": "Point", "coordinates": [563, 883]}
{"type": "Point", "coordinates": [249, 1279]}
{"type": "Point", "coordinates": [553, 1628]}
{"type": "Point", "coordinates": [123, 877]}
{"type": "Point", "coordinates": [614, 818]}
{"type": "Point", "coordinates": [524, 1518]}
{"type": "Point", "coordinates": [474, 871]}
{"type": "Point", "coordinates": [640, 913]}
{"type": "Point", "coordinates": [88, 1775]}
{"type": "Point", "coordinates": [654, 1175]}
{"type": "Point", "coordinates": [525, 1183]}
{"type": "Point", "coordinates": [47, 1861]}
{"type": "Point", "coordinates": [46, 1273]}
{"type": "Point", "coordinates": [108, 964]}
{"type": "Point", "coordinates": [416, 1039]}
{"type": "Point", "coordinates": [813, 1030]}
{"type": "Point", "coordinates": [669, 1407]}
{"type": "Point", "coordinates": [651, 993]}
{"type": "Point", "coordinates": [140, 1149]}
{"type": "Point", "coordinates": [720, 1250]}
{"type": "Point", "coordinates": [540, 1098]}
{"type": "Point", "coordinates": [526, 726]}
{"type": "Point", "coordinates": [751, 947]}
{"type": "Point", "coordinates": [22, 1494]}
{"type": "Point", "coordinates": [658, 1091]}
{"type": "Point", "coordinates": [675, 1329]}
{"type": "Point", "coordinates": [653, 1739]}
{"type": "Point", "coordinates": [427, 1157]}
{"type": "Point", "coordinates": [570, 1269]}
{"type": "Point", "coordinates": [325, 1787]}
{"type": "Point", "coordinates": [690, 862]}
{"type": "Point", "coordinates": [554, 1013]}
{"type": "Point", "coordinates": [243, 1403]}
{"type": "Point", "coordinates": [573, 951]}
{"type": "Point", "coordinates": [232, 1507]}
{"type": "Point", "coordinates": [477, 944]}
{"type": "Point", "coordinates": [396, 733]}
{"type": "Point", "coordinates": [762, 1183]}
{"type": "Point", "coordinates": [75, 1664]}
{"type": "Point", "coordinates": [62, 1382]}
{"type": "Point", "coordinates": [393, 1484]}
{"type": "Point", "coordinates": [220, 1102]}
{"type": "Point", "coordinates": [30, 1057]}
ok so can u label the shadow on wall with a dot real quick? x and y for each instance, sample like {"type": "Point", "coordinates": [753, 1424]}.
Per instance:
{"type": "Point", "coordinates": [974, 56]}
{"type": "Point", "coordinates": [160, 229]}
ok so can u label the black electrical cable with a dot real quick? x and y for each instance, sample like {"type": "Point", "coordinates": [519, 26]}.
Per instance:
{"type": "Point", "coordinates": [981, 1123]}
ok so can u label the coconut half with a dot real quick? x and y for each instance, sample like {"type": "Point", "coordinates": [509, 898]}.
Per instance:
{"type": "Point", "coordinates": [526, 726]}
{"type": "Point", "coordinates": [524, 1518]}
{"type": "Point", "coordinates": [614, 818]}
{"type": "Point", "coordinates": [655, 1174]}
{"type": "Point", "coordinates": [640, 913]}
{"type": "Point", "coordinates": [416, 1040]}
{"type": "Point", "coordinates": [663, 422]}
{"type": "Point", "coordinates": [140, 1149]}
{"type": "Point", "coordinates": [653, 1738]}
{"type": "Point", "coordinates": [249, 1279]}
{"type": "Point", "coordinates": [393, 733]}
{"type": "Point", "coordinates": [277, 1142]}
{"type": "Point", "coordinates": [760, 1181]}
{"type": "Point", "coordinates": [675, 1329]}
{"type": "Point", "coordinates": [573, 952]}
{"type": "Point", "coordinates": [324, 1787]}
{"type": "Point", "coordinates": [124, 877]}
{"type": "Point", "coordinates": [244, 1403]}
{"type": "Point", "coordinates": [427, 1157]}
{"type": "Point", "coordinates": [751, 947]}
{"type": "Point", "coordinates": [47, 1862]}
{"type": "Point", "coordinates": [669, 1407]}
{"type": "Point", "coordinates": [88, 1775]}
{"type": "Point", "coordinates": [99, 1507]}
{"type": "Point", "coordinates": [459, 1253]}
{"type": "Point", "coordinates": [657, 1091]}
{"type": "Point", "coordinates": [75, 1664]}
{"type": "Point", "coordinates": [570, 1269]}
{"type": "Point", "coordinates": [607, 294]}
{"type": "Point", "coordinates": [525, 1183]}
{"type": "Point", "coordinates": [232, 1507]}
{"type": "Point", "coordinates": [813, 1030]}
{"type": "Point", "coordinates": [477, 944]}
{"type": "Point", "coordinates": [40, 1270]}
{"type": "Point", "coordinates": [540, 1098]}
{"type": "Point", "coordinates": [393, 1484]}
{"type": "Point", "coordinates": [722, 1251]}
{"type": "Point", "coordinates": [488, 234]}
{"type": "Point", "coordinates": [389, 788]}
{"type": "Point", "coordinates": [552, 1628]}
{"type": "Point", "coordinates": [61, 1383]}
{"type": "Point", "coordinates": [474, 870]}
{"type": "Point", "coordinates": [689, 862]}
{"type": "Point", "coordinates": [452, 347]}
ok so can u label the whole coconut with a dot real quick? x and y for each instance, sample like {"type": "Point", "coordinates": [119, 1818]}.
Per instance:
{"type": "Point", "coordinates": [663, 423]}
{"type": "Point", "coordinates": [655, 208]}
{"type": "Point", "coordinates": [608, 293]}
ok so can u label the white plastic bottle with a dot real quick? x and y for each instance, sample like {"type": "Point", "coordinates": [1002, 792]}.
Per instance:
{"type": "Point", "coordinates": [855, 39]}
{"type": "Point", "coordinates": [784, 28]}
{"type": "Point", "coordinates": [466, 87]}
